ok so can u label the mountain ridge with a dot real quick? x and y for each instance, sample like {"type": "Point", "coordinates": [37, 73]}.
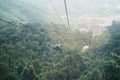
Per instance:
{"type": "Point", "coordinates": [19, 12]}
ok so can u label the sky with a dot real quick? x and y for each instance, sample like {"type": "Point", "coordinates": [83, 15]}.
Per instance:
{"type": "Point", "coordinates": [90, 13]}
{"type": "Point", "coordinates": [79, 7]}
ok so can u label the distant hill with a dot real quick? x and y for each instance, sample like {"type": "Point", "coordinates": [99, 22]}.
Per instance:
{"type": "Point", "coordinates": [17, 11]}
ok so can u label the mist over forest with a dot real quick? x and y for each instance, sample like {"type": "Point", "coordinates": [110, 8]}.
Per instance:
{"type": "Point", "coordinates": [51, 40]}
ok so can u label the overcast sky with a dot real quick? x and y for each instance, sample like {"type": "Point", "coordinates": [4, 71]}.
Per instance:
{"type": "Point", "coordinates": [79, 7]}
{"type": "Point", "coordinates": [88, 12]}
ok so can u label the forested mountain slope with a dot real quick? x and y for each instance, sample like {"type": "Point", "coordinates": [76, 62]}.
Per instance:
{"type": "Point", "coordinates": [17, 11]}
{"type": "Point", "coordinates": [26, 54]}
{"type": "Point", "coordinates": [19, 46]}
{"type": "Point", "coordinates": [109, 54]}
{"type": "Point", "coordinates": [26, 49]}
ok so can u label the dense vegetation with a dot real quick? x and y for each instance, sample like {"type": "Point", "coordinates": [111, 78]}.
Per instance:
{"type": "Point", "coordinates": [26, 48]}
{"type": "Point", "coordinates": [26, 54]}
{"type": "Point", "coordinates": [17, 11]}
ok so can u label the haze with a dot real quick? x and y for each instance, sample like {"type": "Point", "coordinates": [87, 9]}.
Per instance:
{"type": "Point", "coordinates": [79, 7]}
{"type": "Point", "coordinates": [97, 13]}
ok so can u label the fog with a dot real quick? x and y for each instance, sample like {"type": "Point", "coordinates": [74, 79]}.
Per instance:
{"type": "Point", "coordinates": [79, 7]}
{"type": "Point", "coordinates": [90, 13]}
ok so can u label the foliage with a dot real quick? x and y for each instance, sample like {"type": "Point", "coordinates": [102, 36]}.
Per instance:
{"type": "Point", "coordinates": [26, 53]}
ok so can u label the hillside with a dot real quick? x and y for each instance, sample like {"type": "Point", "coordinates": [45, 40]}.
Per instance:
{"type": "Point", "coordinates": [17, 11]}
{"type": "Point", "coordinates": [32, 47]}
{"type": "Point", "coordinates": [26, 53]}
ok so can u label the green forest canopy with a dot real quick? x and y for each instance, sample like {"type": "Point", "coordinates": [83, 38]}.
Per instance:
{"type": "Point", "coordinates": [26, 48]}
{"type": "Point", "coordinates": [26, 54]}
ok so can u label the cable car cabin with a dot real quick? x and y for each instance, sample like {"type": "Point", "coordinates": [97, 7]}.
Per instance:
{"type": "Point", "coordinates": [57, 47]}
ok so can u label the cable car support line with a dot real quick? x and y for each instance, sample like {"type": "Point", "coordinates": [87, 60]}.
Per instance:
{"type": "Point", "coordinates": [52, 3]}
{"type": "Point", "coordinates": [67, 15]}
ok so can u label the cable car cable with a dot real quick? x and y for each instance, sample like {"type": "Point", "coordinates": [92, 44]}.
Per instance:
{"type": "Point", "coordinates": [52, 3]}
{"type": "Point", "coordinates": [66, 9]}
{"type": "Point", "coordinates": [8, 22]}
